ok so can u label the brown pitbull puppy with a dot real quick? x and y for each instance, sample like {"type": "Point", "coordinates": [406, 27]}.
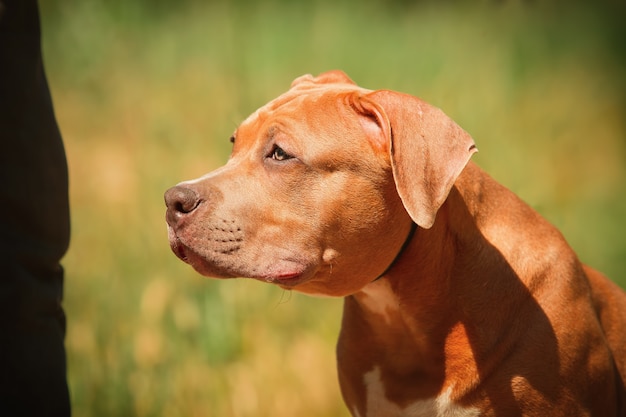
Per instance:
{"type": "Point", "coordinates": [460, 300]}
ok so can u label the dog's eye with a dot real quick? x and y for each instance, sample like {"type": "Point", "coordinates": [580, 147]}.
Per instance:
{"type": "Point", "coordinates": [278, 154]}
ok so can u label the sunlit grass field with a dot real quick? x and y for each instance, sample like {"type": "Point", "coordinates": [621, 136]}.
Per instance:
{"type": "Point", "coordinates": [147, 94]}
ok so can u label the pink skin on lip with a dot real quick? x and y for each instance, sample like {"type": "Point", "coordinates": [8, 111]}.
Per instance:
{"type": "Point", "coordinates": [282, 272]}
{"type": "Point", "coordinates": [286, 270]}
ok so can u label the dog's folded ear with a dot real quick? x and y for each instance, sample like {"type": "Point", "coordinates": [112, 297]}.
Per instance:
{"type": "Point", "coordinates": [427, 149]}
{"type": "Point", "coordinates": [329, 77]}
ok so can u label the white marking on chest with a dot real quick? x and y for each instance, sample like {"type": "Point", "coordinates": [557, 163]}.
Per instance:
{"type": "Point", "coordinates": [377, 404]}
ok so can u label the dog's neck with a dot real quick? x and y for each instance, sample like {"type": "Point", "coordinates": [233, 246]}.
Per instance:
{"type": "Point", "coordinates": [426, 316]}
{"type": "Point", "coordinates": [406, 243]}
{"type": "Point", "coordinates": [423, 304]}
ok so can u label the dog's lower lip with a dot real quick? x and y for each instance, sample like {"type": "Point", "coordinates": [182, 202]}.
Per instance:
{"type": "Point", "coordinates": [289, 281]}
{"type": "Point", "coordinates": [286, 279]}
{"type": "Point", "coordinates": [291, 275]}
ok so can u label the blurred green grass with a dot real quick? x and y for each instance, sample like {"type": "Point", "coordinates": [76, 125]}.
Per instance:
{"type": "Point", "coordinates": [147, 94]}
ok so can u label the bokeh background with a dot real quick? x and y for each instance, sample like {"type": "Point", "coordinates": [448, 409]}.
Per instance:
{"type": "Point", "coordinates": [147, 93]}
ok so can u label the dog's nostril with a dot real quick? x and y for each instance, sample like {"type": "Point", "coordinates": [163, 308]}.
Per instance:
{"type": "Point", "coordinates": [181, 199]}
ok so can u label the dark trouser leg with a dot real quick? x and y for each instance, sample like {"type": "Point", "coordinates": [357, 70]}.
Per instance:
{"type": "Point", "coordinates": [34, 225]}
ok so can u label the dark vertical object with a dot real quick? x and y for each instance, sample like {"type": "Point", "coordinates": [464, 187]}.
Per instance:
{"type": "Point", "coordinates": [34, 224]}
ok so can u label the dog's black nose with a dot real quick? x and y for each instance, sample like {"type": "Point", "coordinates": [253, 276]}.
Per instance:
{"type": "Point", "coordinates": [180, 200]}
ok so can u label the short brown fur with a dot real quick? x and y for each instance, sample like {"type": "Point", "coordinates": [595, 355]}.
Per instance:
{"type": "Point", "coordinates": [484, 310]}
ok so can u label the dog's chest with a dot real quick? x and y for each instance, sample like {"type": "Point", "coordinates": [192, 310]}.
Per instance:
{"type": "Point", "coordinates": [380, 301]}
{"type": "Point", "coordinates": [377, 404]}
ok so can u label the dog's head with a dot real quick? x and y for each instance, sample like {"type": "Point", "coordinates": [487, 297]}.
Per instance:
{"type": "Point", "coordinates": [321, 187]}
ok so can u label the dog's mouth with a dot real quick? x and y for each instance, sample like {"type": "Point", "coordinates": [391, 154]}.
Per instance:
{"type": "Point", "coordinates": [179, 250]}
{"type": "Point", "coordinates": [286, 272]}
{"type": "Point", "coordinates": [176, 245]}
